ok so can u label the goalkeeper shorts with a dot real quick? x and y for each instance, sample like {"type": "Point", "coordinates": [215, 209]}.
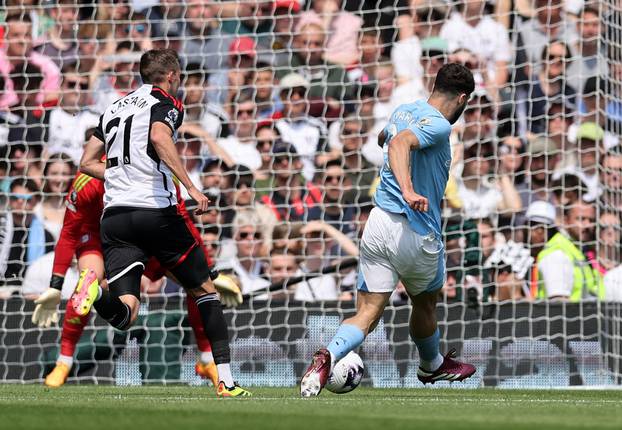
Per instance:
{"type": "Point", "coordinates": [391, 251]}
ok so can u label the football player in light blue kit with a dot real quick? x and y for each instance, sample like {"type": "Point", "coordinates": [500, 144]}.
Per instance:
{"type": "Point", "coordinates": [402, 237]}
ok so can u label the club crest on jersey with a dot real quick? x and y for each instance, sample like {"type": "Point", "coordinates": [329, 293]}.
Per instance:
{"type": "Point", "coordinates": [423, 122]}
{"type": "Point", "coordinates": [171, 117]}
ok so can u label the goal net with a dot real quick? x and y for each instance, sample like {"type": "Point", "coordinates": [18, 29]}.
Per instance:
{"type": "Point", "coordinates": [283, 104]}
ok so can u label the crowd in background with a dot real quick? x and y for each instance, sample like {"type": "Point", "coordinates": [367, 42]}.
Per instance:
{"type": "Point", "coordinates": [283, 103]}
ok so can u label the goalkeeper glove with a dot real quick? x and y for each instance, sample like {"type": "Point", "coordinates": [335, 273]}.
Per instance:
{"type": "Point", "coordinates": [230, 293]}
{"type": "Point", "coordinates": [46, 311]}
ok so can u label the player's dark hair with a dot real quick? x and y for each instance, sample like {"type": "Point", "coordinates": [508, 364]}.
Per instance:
{"type": "Point", "coordinates": [155, 64]}
{"type": "Point", "coordinates": [454, 79]}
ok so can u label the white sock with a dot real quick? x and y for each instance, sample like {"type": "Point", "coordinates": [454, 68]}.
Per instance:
{"type": "Point", "coordinates": [206, 357]}
{"type": "Point", "coordinates": [224, 374]}
{"type": "Point", "coordinates": [65, 359]}
{"type": "Point", "coordinates": [433, 365]}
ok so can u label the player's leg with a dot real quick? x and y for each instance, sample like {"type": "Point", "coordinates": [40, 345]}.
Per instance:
{"type": "Point", "coordinates": [377, 279]}
{"type": "Point", "coordinates": [423, 285]}
{"type": "Point", "coordinates": [186, 260]}
{"type": "Point", "coordinates": [205, 366]}
{"type": "Point", "coordinates": [74, 324]}
{"type": "Point", "coordinates": [193, 273]}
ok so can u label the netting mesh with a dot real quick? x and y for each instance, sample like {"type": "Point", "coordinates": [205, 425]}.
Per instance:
{"type": "Point", "coordinates": [284, 101]}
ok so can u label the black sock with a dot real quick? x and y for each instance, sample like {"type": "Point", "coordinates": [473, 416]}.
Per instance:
{"type": "Point", "coordinates": [215, 327]}
{"type": "Point", "coordinates": [113, 310]}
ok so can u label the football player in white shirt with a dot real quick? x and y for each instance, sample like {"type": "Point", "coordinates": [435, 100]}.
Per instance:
{"type": "Point", "coordinates": [141, 218]}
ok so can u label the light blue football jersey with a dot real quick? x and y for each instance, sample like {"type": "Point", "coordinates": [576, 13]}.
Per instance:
{"type": "Point", "coordinates": [429, 165]}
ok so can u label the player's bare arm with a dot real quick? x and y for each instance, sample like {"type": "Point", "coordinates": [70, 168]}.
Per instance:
{"type": "Point", "coordinates": [91, 164]}
{"type": "Point", "coordinates": [399, 160]}
{"type": "Point", "coordinates": [162, 138]}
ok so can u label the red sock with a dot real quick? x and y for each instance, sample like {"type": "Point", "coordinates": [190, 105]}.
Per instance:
{"type": "Point", "coordinates": [197, 325]}
{"type": "Point", "coordinates": [73, 326]}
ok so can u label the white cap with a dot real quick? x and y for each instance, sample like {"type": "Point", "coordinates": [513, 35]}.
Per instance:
{"type": "Point", "coordinates": [293, 80]}
{"type": "Point", "coordinates": [541, 211]}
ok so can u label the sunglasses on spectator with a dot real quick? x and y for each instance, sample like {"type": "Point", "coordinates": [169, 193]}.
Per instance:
{"type": "Point", "coordinates": [299, 91]}
{"type": "Point", "coordinates": [140, 28]}
{"type": "Point", "coordinates": [248, 235]}
{"type": "Point", "coordinates": [267, 142]}
{"type": "Point", "coordinates": [332, 178]}
{"type": "Point", "coordinates": [77, 85]}
{"type": "Point", "coordinates": [281, 159]}
{"type": "Point", "coordinates": [556, 58]}
{"type": "Point", "coordinates": [19, 196]}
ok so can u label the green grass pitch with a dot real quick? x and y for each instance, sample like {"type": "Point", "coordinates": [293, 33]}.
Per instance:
{"type": "Point", "coordinates": [180, 407]}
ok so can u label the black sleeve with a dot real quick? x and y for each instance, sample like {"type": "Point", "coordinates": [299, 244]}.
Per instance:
{"type": "Point", "coordinates": [168, 114]}
{"type": "Point", "coordinates": [99, 131]}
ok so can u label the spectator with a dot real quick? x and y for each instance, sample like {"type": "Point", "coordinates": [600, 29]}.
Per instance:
{"type": "Point", "coordinates": [58, 173]}
{"type": "Point", "coordinates": [67, 124]}
{"type": "Point", "coordinates": [470, 27]}
{"type": "Point", "coordinates": [246, 265]}
{"type": "Point", "coordinates": [327, 81]}
{"type": "Point", "coordinates": [122, 79]}
{"type": "Point", "coordinates": [433, 53]}
{"type": "Point", "coordinates": [210, 116]}
{"type": "Point", "coordinates": [266, 137]}
{"type": "Point", "coordinates": [334, 184]}
{"type": "Point", "coordinates": [24, 118]}
{"type": "Point", "coordinates": [606, 256]}
{"type": "Point", "coordinates": [558, 120]}
{"type": "Point", "coordinates": [487, 240]}
{"type": "Point", "coordinates": [212, 176]}
{"type": "Point", "coordinates": [285, 14]}
{"type": "Point", "coordinates": [549, 84]}
{"type": "Point", "coordinates": [482, 196]}
{"type": "Point", "coordinates": [247, 17]}
{"type": "Point", "coordinates": [25, 235]}
{"type": "Point", "coordinates": [541, 227]}
{"type": "Point", "coordinates": [543, 158]}
{"type": "Point", "coordinates": [189, 149]}
{"type": "Point", "coordinates": [479, 124]}
{"type": "Point", "coordinates": [594, 109]}
{"type": "Point", "coordinates": [371, 49]}
{"type": "Point", "coordinates": [240, 196]}
{"type": "Point", "coordinates": [284, 265]}
{"type": "Point", "coordinates": [590, 145]}
{"type": "Point", "coordinates": [167, 16]}
{"type": "Point", "coordinates": [241, 61]}
{"type": "Point", "coordinates": [240, 144]}
{"type": "Point", "coordinates": [428, 19]}
{"type": "Point", "coordinates": [611, 182]}
{"type": "Point", "coordinates": [23, 161]}
{"type": "Point", "coordinates": [347, 147]}
{"type": "Point", "coordinates": [263, 84]}
{"type": "Point", "coordinates": [566, 190]}
{"type": "Point", "coordinates": [533, 35]}
{"type": "Point", "coordinates": [509, 264]}
{"type": "Point", "coordinates": [512, 159]}
{"type": "Point", "coordinates": [17, 52]}
{"type": "Point", "coordinates": [591, 53]}
{"type": "Point", "coordinates": [62, 44]}
{"type": "Point", "coordinates": [289, 195]}
{"type": "Point", "coordinates": [39, 273]}
{"type": "Point", "coordinates": [341, 26]}
{"type": "Point", "coordinates": [306, 134]}
{"type": "Point", "coordinates": [563, 269]}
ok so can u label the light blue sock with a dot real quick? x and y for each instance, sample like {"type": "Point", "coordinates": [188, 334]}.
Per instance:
{"type": "Point", "coordinates": [345, 340]}
{"type": "Point", "coordinates": [428, 347]}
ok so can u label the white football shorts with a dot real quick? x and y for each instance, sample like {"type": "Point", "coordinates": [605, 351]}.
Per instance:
{"type": "Point", "coordinates": [390, 251]}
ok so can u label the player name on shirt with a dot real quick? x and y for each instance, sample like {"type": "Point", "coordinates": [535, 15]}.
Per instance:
{"type": "Point", "coordinates": [135, 177]}
{"type": "Point", "coordinates": [137, 101]}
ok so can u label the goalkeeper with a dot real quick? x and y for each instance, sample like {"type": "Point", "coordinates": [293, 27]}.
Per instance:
{"type": "Point", "coordinates": [80, 236]}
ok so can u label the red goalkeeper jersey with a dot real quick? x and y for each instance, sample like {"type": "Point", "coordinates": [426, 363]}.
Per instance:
{"type": "Point", "coordinates": [85, 204]}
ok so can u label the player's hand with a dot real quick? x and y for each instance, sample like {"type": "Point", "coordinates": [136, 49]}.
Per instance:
{"type": "Point", "coordinates": [46, 311]}
{"type": "Point", "coordinates": [415, 201]}
{"type": "Point", "coordinates": [201, 199]}
{"type": "Point", "coordinates": [230, 293]}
